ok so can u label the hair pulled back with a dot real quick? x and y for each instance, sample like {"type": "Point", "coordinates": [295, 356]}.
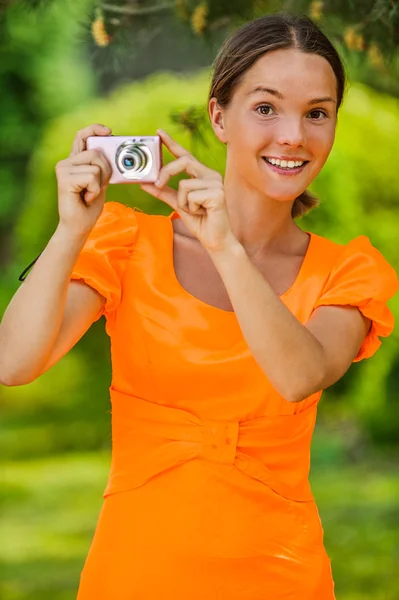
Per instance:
{"type": "Point", "coordinates": [265, 34]}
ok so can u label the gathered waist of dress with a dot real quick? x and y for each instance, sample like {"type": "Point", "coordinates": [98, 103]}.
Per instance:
{"type": "Point", "coordinates": [149, 438]}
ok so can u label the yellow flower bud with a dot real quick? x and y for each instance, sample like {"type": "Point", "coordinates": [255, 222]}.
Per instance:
{"type": "Point", "coordinates": [375, 56]}
{"type": "Point", "coordinates": [316, 10]}
{"type": "Point", "coordinates": [182, 10]}
{"type": "Point", "coordinates": [199, 18]}
{"type": "Point", "coordinates": [350, 38]}
{"type": "Point", "coordinates": [359, 42]}
{"type": "Point", "coordinates": [99, 33]}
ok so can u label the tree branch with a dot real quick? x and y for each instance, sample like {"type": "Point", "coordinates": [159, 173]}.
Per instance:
{"type": "Point", "coordinates": [124, 10]}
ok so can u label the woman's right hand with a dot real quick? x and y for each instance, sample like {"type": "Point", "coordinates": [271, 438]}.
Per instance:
{"type": "Point", "coordinates": [82, 182]}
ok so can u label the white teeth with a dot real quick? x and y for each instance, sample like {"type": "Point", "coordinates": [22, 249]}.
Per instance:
{"type": "Point", "coordinates": [290, 164]}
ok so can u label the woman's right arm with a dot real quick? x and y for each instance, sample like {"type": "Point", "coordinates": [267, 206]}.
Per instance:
{"type": "Point", "coordinates": [49, 313]}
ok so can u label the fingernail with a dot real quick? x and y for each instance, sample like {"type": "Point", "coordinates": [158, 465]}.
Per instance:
{"type": "Point", "coordinates": [158, 183]}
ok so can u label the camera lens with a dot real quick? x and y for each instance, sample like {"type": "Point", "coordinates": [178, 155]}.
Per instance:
{"type": "Point", "coordinates": [134, 160]}
{"type": "Point", "coordinates": [128, 162]}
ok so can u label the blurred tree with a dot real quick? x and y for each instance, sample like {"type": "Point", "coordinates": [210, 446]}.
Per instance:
{"type": "Point", "coordinates": [41, 76]}
{"type": "Point", "coordinates": [366, 26]}
{"type": "Point", "coordinates": [125, 31]}
{"type": "Point", "coordinates": [359, 23]}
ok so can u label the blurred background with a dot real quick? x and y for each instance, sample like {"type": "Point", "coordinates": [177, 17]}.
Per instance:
{"type": "Point", "coordinates": [136, 65]}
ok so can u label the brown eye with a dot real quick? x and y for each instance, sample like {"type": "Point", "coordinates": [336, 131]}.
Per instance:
{"type": "Point", "coordinates": [264, 109]}
{"type": "Point", "coordinates": [318, 113]}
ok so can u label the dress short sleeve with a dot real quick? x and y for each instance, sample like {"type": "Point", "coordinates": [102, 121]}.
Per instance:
{"type": "Point", "coordinates": [363, 278]}
{"type": "Point", "coordinates": [102, 261]}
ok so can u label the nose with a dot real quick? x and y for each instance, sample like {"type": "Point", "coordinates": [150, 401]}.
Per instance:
{"type": "Point", "coordinates": [291, 133]}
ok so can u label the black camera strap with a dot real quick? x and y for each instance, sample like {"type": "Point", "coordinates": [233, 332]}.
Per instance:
{"type": "Point", "coordinates": [21, 277]}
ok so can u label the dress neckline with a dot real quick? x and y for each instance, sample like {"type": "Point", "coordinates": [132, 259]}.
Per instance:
{"type": "Point", "coordinates": [302, 274]}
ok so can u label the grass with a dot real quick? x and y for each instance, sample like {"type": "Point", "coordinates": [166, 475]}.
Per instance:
{"type": "Point", "coordinates": [50, 507]}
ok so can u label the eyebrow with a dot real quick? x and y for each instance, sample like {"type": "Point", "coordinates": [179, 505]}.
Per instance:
{"type": "Point", "coordinates": [281, 97]}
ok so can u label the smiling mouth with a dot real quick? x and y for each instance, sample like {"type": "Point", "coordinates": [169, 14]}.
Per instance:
{"type": "Point", "coordinates": [289, 166]}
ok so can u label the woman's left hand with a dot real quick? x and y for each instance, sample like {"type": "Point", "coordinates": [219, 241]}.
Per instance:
{"type": "Point", "coordinates": [200, 201]}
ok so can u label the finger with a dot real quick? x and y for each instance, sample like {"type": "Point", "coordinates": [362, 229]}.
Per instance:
{"type": "Point", "coordinates": [186, 187]}
{"type": "Point", "coordinates": [199, 184]}
{"type": "Point", "coordinates": [196, 198]}
{"type": "Point", "coordinates": [85, 181]}
{"type": "Point", "coordinates": [180, 152]}
{"type": "Point", "coordinates": [92, 157]}
{"type": "Point", "coordinates": [176, 149]}
{"type": "Point", "coordinates": [202, 200]}
{"type": "Point", "coordinates": [79, 143]}
{"type": "Point", "coordinates": [167, 194]}
{"type": "Point", "coordinates": [64, 170]}
{"type": "Point", "coordinates": [88, 169]}
{"type": "Point", "coordinates": [193, 201]}
{"type": "Point", "coordinates": [185, 164]}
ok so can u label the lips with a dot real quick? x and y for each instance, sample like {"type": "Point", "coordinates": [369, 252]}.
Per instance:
{"type": "Point", "coordinates": [285, 170]}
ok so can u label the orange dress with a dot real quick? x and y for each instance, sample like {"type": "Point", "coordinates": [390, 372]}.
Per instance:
{"type": "Point", "coordinates": [208, 494]}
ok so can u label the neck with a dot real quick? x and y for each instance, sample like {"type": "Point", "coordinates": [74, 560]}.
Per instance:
{"type": "Point", "coordinates": [259, 223]}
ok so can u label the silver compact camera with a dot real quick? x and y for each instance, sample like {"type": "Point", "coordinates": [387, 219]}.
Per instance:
{"type": "Point", "coordinates": [134, 159]}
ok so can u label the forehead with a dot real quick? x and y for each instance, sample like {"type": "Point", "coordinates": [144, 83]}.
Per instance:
{"type": "Point", "coordinates": [291, 72]}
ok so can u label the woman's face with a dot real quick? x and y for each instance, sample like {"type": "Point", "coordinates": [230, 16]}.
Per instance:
{"type": "Point", "coordinates": [284, 109]}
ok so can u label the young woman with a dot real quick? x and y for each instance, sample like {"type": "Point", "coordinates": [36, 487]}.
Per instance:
{"type": "Point", "coordinates": [227, 321]}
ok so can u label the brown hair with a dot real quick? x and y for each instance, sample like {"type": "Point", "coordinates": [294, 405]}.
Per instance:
{"type": "Point", "coordinates": [272, 32]}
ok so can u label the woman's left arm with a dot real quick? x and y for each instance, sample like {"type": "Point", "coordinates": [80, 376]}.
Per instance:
{"type": "Point", "coordinates": [297, 359]}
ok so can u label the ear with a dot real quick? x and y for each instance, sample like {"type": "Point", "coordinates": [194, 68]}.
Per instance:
{"type": "Point", "coordinates": [217, 117]}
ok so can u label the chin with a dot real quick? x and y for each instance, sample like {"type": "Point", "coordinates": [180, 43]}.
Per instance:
{"type": "Point", "coordinates": [285, 189]}
{"type": "Point", "coordinates": [282, 195]}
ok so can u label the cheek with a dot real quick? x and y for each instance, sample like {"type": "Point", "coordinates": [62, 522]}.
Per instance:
{"type": "Point", "coordinates": [242, 134]}
{"type": "Point", "coordinates": [242, 147]}
{"type": "Point", "coordinates": [248, 141]}
{"type": "Point", "coordinates": [322, 141]}
{"type": "Point", "coordinates": [244, 130]}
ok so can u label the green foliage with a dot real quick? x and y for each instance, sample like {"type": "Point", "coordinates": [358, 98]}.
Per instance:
{"type": "Point", "coordinates": [64, 410]}
{"type": "Point", "coordinates": [42, 74]}
{"type": "Point", "coordinates": [49, 509]}
{"type": "Point", "coordinates": [377, 21]}
{"type": "Point", "coordinates": [365, 27]}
